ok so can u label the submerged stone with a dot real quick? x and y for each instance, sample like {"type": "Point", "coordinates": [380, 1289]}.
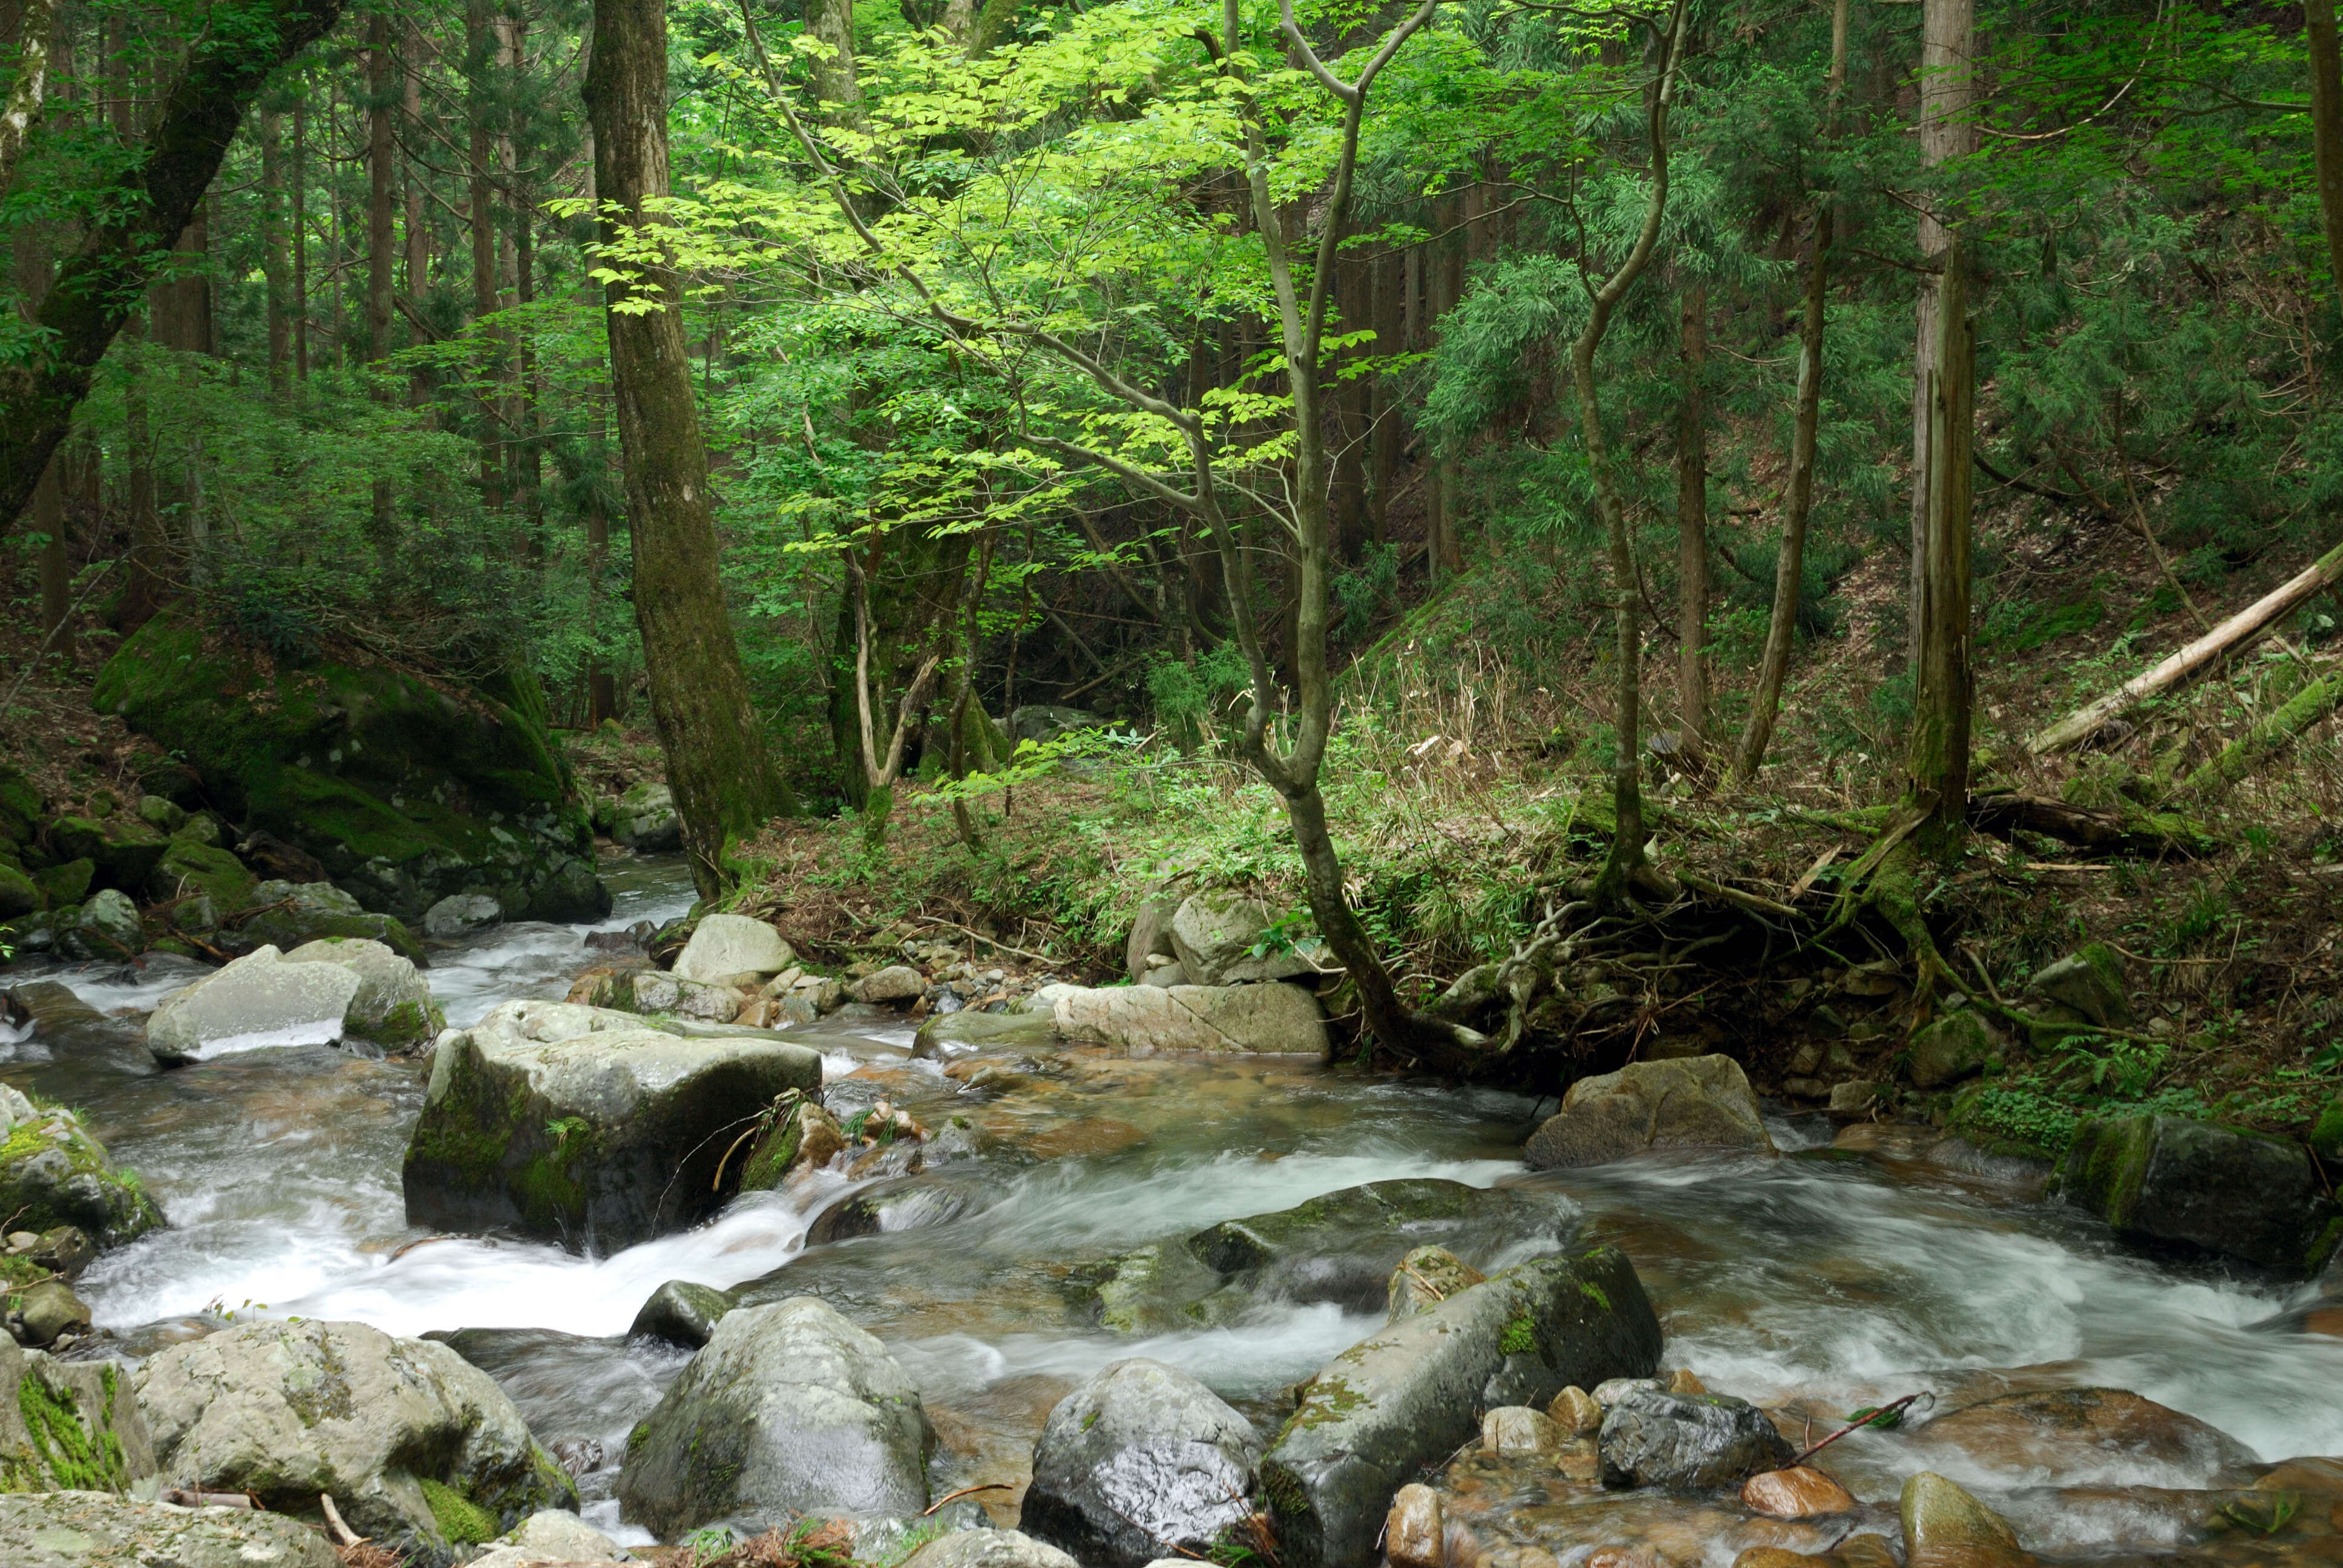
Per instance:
{"type": "Point", "coordinates": [1687, 1441]}
{"type": "Point", "coordinates": [1945, 1527]}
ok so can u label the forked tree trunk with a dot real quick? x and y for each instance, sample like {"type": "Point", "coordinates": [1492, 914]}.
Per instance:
{"type": "Point", "coordinates": [725, 783]}
{"type": "Point", "coordinates": [1938, 770]}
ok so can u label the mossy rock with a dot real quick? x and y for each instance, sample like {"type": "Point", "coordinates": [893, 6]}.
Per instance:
{"type": "Point", "coordinates": [2168, 1183]}
{"type": "Point", "coordinates": [123, 848]}
{"type": "Point", "coordinates": [70, 1427]}
{"type": "Point", "coordinates": [19, 894]}
{"type": "Point", "coordinates": [187, 867]}
{"type": "Point", "coordinates": [405, 789]}
{"type": "Point", "coordinates": [2325, 1138]}
{"type": "Point", "coordinates": [66, 882]}
{"type": "Point", "coordinates": [21, 807]}
{"type": "Point", "coordinates": [53, 1172]}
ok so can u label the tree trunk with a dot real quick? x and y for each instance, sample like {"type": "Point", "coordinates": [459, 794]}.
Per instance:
{"type": "Point", "coordinates": [300, 231]}
{"type": "Point", "coordinates": [275, 262]}
{"type": "Point", "coordinates": [1692, 527]}
{"type": "Point", "coordinates": [725, 784]}
{"type": "Point", "coordinates": [1947, 88]}
{"type": "Point", "coordinates": [1939, 769]}
{"type": "Point", "coordinates": [56, 562]}
{"type": "Point", "coordinates": [479, 53]}
{"type": "Point", "coordinates": [381, 154]}
{"type": "Point", "coordinates": [835, 84]}
{"type": "Point", "coordinates": [1384, 403]}
{"type": "Point", "coordinates": [2327, 128]}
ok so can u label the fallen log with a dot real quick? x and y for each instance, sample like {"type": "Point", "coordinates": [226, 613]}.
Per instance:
{"type": "Point", "coordinates": [2240, 757]}
{"type": "Point", "coordinates": [2002, 812]}
{"type": "Point", "coordinates": [2234, 635]}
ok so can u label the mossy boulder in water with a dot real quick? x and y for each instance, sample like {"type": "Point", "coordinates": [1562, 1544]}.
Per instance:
{"type": "Point", "coordinates": [286, 915]}
{"type": "Point", "coordinates": [405, 789]}
{"type": "Point", "coordinates": [68, 1426]}
{"type": "Point", "coordinates": [123, 848]}
{"type": "Point", "coordinates": [1690, 1103]}
{"type": "Point", "coordinates": [420, 1449]}
{"type": "Point", "coordinates": [53, 1172]}
{"type": "Point", "coordinates": [586, 1126]}
{"type": "Point", "coordinates": [1412, 1394]}
{"type": "Point", "coordinates": [392, 1006]}
{"type": "Point", "coordinates": [2166, 1181]}
{"type": "Point", "coordinates": [188, 868]}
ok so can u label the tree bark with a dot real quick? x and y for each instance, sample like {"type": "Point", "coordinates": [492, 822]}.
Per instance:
{"type": "Point", "coordinates": [725, 785]}
{"type": "Point", "coordinates": [1939, 765]}
{"type": "Point", "coordinates": [26, 93]}
{"type": "Point", "coordinates": [481, 56]}
{"type": "Point", "coordinates": [2327, 127]}
{"type": "Point", "coordinates": [275, 262]}
{"type": "Point", "coordinates": [1948, 89]}
{"type": "Point", "coordinates": [835, 84]}
{"type": "Point", "coordinates": [381, 156]}
{"type": "Point", "coordinates": [1692, 526]}
{"type": "Point", "coordinates": [301, 231]}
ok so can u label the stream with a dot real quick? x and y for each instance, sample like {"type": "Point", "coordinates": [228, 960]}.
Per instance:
{"type": "Point", "coordinates": [1835, 1281]}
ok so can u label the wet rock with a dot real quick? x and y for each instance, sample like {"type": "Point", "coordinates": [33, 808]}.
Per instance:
{"type": "Point", "coordinates": [392, 1006]}
{"type": "Point", "coordinates": [959, 1033]}
{"type": "Point", "coordinates": [2168, 1180]}
{"type": "Point", "coordinates": [656, 993]}
{"type": "Point", "coordinates": [895, 1206]}
{"type": "Point", "coordinates": [2086, 985]}
{"type": "Point", "coordinates": [106, 927]}
{"type": "Point", "coordinates": [1687, 1442]}
{"type": "Point", "coordinates": [804, 1138]}
{"type": "Point", "coordinates": [1701, 1103]}
{"type": "Point", "coordinates": [1945, 1527]}
{"type": "Point", "coordinates": [1576, 1412]}
{"type": "Point", "coordinates": [260, 1000]}
{"type": "Point", "coordinates": [1411, 1396]}
{"type": "Point", "coordinates": [1954, 1047]}
{"type": "Point", "coordinates": [64, 1250]}
{"type": "Point", "coordinates": [461, 914]}
{"type": "Point", "coordinates": [187, 869]}
{"type": "Point", "coordinates": [1799, 1493]}
{"type": "Point", "coordinates": [1142, 1020]}
{"type": "Point", "coordinates": [1213, 935]}
{"type": "Point", "coordinates": [52, 1007]}
{"type": "Point", "coordinates": [895, 983]}
{"type": "Point", "coordinates": [80, 1529]}
{"type": "Point", "coordinates": [586, 1126]}
{"type": "Point", "coordinates": [1150, 937]}
{"type": "Point", "coordinates": [421, 1450]}
{"type": "Point", "coordinates": [789, 1410]}
{"type": "Point", "coordinates": [2082, 1434]}
{"type": "Point", "coordinates": [1425, 1278]}
{"type": "Point", "coordinates": [44, 1313]}
{"type": "Point", "coordinates": [1684, 1381]}
{"type": "Point", "coordinates": [1140, 1460]}
{"type": "Point", "coordinates": [1610, 1391]}
{"type": "Point", "coordinates": [1516, 1430]}
{"type": "Point", "coordinates": [285, 914]}
{"type": "Point", "coordinates": [724, 946]}
{"type": "Point", "coordinates": [93, 1437]}
{"type": "Point", "coordinates": [553, 1536]}
{"type": "Point", "coordinates": [987, 1548]}
{"type": "Point", "coordinates": [643, 819]}
{"type": "Point", "coordinates": [681, 1314]}
{"type": "Point", "coordinates": [1413, 1533]}
{"type": "Point", "coordinates": [53, 1174]}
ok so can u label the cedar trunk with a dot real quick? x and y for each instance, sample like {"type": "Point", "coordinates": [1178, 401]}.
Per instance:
{"type": "Point", "coordinates": [1947, 88]}
{"type": "Point", "coordinates": [1939, 765]}
{"type": "Point", "coordinates": [725, 784]}
{"type": "Point", "coordinates": [1692, 527]}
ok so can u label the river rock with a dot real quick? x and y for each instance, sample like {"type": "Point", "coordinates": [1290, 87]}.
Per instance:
{"type": "Point", "coordinates": [988, 1549]}
{"type": "Point", "coordinates": [789, 1410]}
{"type": "Point", "coordinates": [2076, 1436]}
{"type": "Point", "coordinates": [260, 1000]}
{"type": "Point", "coordinates": [1213, 935]}
{"type": "Point", "coordinates": [45, 1313]}
{"type": "Point", "coordinates": [393, 1006]}
{"type": "Point", "coordinates": [2086, 985]}
{"type": "Point", "coordinates": [2171, 1180]}
{"type": "Point", "coordinates": [461, 914]}
{"type": "Point", "coordinates": [187, 869]}
{"type": "Point", "coordinates": [1577, 1412]}
{"type": "Point", "coordinates": [1140, 1461]}
{"type": "Point", "coordinates": [285, 915]}
{"type": "Point", "coordinates": [551, 1535]}
{"type": "Point", "coordinates": [1801, 1491]}
{"type": "Point", "coordinates": [106, 927]}
{"type": "Point", "coordinates": [1699, 1102]}
{"type": "Point", "coordinates": [80, 1529]}
{"type": "Point", "coordinates": [1518, 1430]}
{"type": "Point", "coordinates": [92, 1436]}
{"type": "Point", "coordinates": [643, 819]}
{"type": "Point", "coordinates": [895, 983]}
{"type": "Point", "coordinates": [1425, 1278]}
{"type": "Point", "coordinates": [656, 993]}
{"type": "Point", "coordinates": [951, 1035]}
{"type": "Point", "coordinates": [19, 894]}
{"type": "Point", "coordinates": [594, 1128]}
{"type": "Point", "coordinates": [1282, 1020]}
{"type": "Point", "coordinates": [421, 1450]}
{"type": "Point", "coordinates": [124, 849]}
{"type": "Point", "coordinates": [805, 1137]}
{"type": "Point", "coordinates": [1344, 1246]}
{"type": "Point", "coordinates": [53, 1174]}
{"type": "Point", "coordinates": [1150, 937]}
{"type": "Point", "coordinates": [722, 946]}
{"type": "Point", "coordinates": [1414, 1535]}
{"type": "Point", "coordinates": [1945, 1527]}
{"type": "Point", "coordinates": [1688, 1442]}
{"type": "Point", "coordinates": [1411, 1396]}
{"type": "Point", "coordinates": [1954, 1047]}
{"type": "Point", "coordinates": [681, 1314]}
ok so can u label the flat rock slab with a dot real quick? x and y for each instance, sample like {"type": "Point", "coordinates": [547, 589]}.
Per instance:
{"type": "Point", "coordinates": [96, 1530]}
{"type": "Point", "coordinates": [1272, 1018]}
{"type": "Point", "coordinates": [586, 1126]}
{"type": "Point", "coordinates": [259, 1000]}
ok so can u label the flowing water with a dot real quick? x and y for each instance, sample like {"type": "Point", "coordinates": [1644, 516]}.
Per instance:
{"type": "Point", "coordinates": [1835, 1282]}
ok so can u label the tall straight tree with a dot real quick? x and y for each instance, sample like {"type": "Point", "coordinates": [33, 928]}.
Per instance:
{"type": "Point", "coordinates": [1938, 769]}
{"type": "Point", "coordinates": [1948, 92]}
{"type": "Point", "coordinates": [725, 784]}
{"type": "Point", "coordinates": [2327, 127]}
{"type": "Point", "coordinates": [382, 153]}
{"type": "Point", "coordinates": [1692, 523]}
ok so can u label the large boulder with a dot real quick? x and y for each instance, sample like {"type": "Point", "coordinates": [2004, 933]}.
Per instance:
{"type": "Point", "coordinates": [407, 789]}
{"type": "Point", "coordinates": [1278, 1019]}
{"type": "Point", "coordinates": [789, 1410]}
{"type": "Point", "coordinates": [723, 946]}
{"type": "Point", "coordinates": [79, 1529]}
{"type": "Point", "coordinates": [988, 1549]}
{"type": "Point", "coordinates": [188, 868]}
{"type": "Point", "coordinates": [53, 1172]}
{"type": "Point", "coordinates": [68, 1426]}
{"type": "Point", "coordinates": [1682, 1104]}
{"type": "Point", "coordinates": [1214, 934]}
{"type": "Point", "coordinates": [643, 819]}
{"type": "Point", "coordinates": [106, 927]}
{"type": "Point", "coordinates": [19, 894]}
{"type": "Point", "coordinates": [1945, 1527]}
{"type": "Point", "coordinates": [591, 1127]}
{"type": "Point", "coordinates": [460, 915]}
{"type": "Point", "coordinates": [2166, 1181]}
{"type": "Point", "coordinates": [123, 848]}
{"type": "Point", "coordinates": [1142, 1461]}
{"type": "Point", "coordinates": [258, 1000]}
{"type": "Point", "coordinates": [656, 993]}
{"type": "Point", "coordinates": [285, 915]}
{"type": "Point", "coordinates": [420, 1450]}
{"type": "Point", "coordinates": [1412, 1394]}
{"type": "Point", "coordinates": [392, 1006]}
{"type": "Point", "coordinates": [1689, 1441]}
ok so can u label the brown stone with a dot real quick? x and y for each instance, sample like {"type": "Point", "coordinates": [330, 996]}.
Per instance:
{"type": "Point", "coordinates": [1775, 1557]}
{"type": "Point", "coordinates": [1798, 1493]}
{"type": "Point", "coordinates": [1574, 1409]}
{"type": "Point", "coordinates": [1427, 1277]}
{"type": "Point", "coordinates": [2067, 1431]}
{"type": "Point", "coordinates": [1516, 1429]}
{"type": "Point", "coordinates": [1413, 1534]}
{"type": "Point", "coordinates": [1581, 1459]}
{"type": "Point", "coordinates": [2328, 1321]}
{"type": "Point", "coordinates": [1621, 1557]}
{"type": "Point", "coordinates": [1682, 1380]}
{"type": "Point", "coordinates": [1945, 1527]}
{"type": "Point", "coordinates": [1865, 1551]}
